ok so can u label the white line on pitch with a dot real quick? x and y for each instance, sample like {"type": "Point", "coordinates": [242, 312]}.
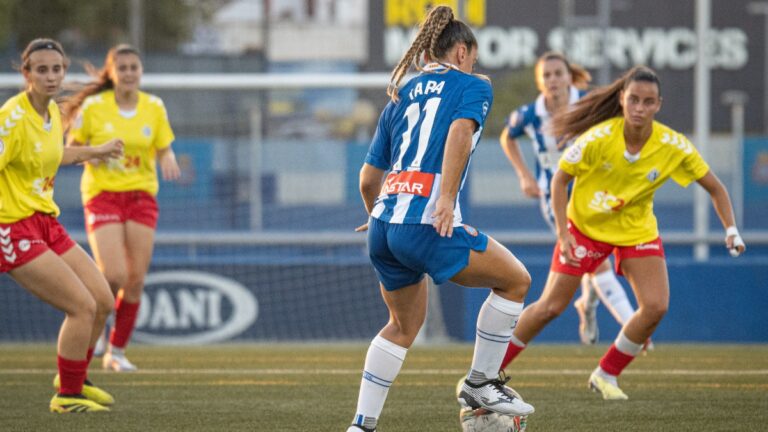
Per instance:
{"type": "Point", "coordinates": [451, 372]}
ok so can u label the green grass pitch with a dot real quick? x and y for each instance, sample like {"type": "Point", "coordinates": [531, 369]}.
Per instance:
{"type": "Point", "coordinates": [266, 387]}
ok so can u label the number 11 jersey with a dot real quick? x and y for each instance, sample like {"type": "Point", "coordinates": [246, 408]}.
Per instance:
{"type": "Point", "coordinates": [410, 141]}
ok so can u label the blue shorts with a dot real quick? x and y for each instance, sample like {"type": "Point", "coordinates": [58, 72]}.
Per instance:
{"type": "Point", "coordinates": [402, 253]}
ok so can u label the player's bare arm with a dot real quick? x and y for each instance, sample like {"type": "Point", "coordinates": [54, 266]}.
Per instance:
{"type": "Point", "coordinates": [457, 148]}
{"type": "Point", "coordinates": [370, 184]}
{"type": "Point", "coordinates": [511, 148]}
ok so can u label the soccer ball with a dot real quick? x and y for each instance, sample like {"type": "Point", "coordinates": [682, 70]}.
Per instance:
{"type": "Point", "coordinates": [481, 420]}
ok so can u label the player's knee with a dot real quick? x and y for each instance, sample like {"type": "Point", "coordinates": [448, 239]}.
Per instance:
{"type": "Point", "coordinates": [547, 311]}
{"type": "Point", "coordinates": [105, 303]}
{"type": "Point", "coordinates": [84, 308]}
{"type": "Point", "coordinates": [411, 330]}
{"type": "Point", "coordinates": [407, 330]}
{"type": "Point", "coordinates": [654, 311]}
{"type": "Point", "coordinates": [517, 285]}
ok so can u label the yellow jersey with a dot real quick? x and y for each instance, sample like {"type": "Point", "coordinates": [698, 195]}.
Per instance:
{"type": "Point", "coordinates": [612, 197]}
{"type": "Point", "coordinates": [143, 131]}
{"type": "Point", "coordinates": [30, 154]}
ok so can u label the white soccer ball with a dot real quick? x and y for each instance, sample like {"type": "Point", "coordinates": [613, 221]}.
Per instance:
{"type": "Point", "coordinates": [487, 421]}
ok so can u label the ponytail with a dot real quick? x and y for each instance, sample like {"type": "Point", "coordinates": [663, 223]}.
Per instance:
{"type": "Point", "coordinates": [439, 32]}
{"type": "Point", "coordinates": [598, 105]}
{"type": "Point", "coordinates": [102, 82]}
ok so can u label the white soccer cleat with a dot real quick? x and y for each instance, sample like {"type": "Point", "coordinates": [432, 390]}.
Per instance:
{"type": "Point", "coordinates": [588, 331]}
{"type": "Point", "coordinates": [494, 396]}
{"type": "Point", "coordinates": [115, 360]}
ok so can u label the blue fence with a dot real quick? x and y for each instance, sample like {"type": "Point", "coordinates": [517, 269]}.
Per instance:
{"type": "Point", "coordinates": [304, 294]}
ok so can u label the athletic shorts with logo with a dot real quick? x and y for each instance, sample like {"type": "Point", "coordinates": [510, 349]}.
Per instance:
{"type": "Point", "coordinates": [120, 207]}
{"type": "Point", "coordinates": [25, 240]}
{"type": "Point", "coordinates": [403, 253]}
{"type": "Point", "coordinates": [591, 253]}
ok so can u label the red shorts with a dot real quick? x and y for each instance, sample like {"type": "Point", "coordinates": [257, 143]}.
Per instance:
{"type": "Point", "coordinates": [25, 240]}
{"type": "Point", "coordinates": [120, 207]}
{"type": "Point", "coordinates": [591, 253]}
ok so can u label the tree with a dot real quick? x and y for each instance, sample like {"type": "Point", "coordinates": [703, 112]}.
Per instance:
{"type": "Point", "coordinates": [93, 25]}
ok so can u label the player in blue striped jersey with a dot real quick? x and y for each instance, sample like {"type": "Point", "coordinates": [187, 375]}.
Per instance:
{"type": "Point", "coordinates": [561, 84]}
{"type": "Point", "coordinates": [410, 184]}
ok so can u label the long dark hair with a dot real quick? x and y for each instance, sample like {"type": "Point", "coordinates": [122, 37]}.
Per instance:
{"type": "Point", "coordinates": [599, 105]}
{"type": "Point", "coordinates": [101, 82]}
{"type": "Point", "coordinates": [439, 32]}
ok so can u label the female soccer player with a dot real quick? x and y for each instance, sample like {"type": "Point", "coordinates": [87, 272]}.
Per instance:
{"type": "Point", "coordinates": [561, 84]}
{"type": "Point", "coordinates": [620, 159]}
{"type": "Point", "coordinates": [424, 139]}
{"type": "Point", "coordinates": [119, 196]}
{"type": "Point", "coordinates": [36, 250]}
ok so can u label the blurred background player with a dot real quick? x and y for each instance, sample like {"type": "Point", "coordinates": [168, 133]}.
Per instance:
{"type": "Point", "coordinates": [621, 157]}
{"type": "Point", "coordinates": [424, 139]}
{"type": "Point", "coordinates": [561, 84]}
{"type": "Point", "coordinates": [119, 197]}
{"type": "Point", "coordinates": [36, 250]}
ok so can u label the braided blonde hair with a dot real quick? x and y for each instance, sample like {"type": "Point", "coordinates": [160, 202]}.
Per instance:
{"type": "Point", "coordinates": [439, 32]}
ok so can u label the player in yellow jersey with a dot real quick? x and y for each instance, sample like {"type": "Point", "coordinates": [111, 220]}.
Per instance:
{"type": "Point", "coordinates": [35, 250]}
{"type": "Point", "coordinates": [119, 196]}
{"type": "Point", "coordinates": [621, 157]}
{"type": "Point", "coordinates": [561, 83]}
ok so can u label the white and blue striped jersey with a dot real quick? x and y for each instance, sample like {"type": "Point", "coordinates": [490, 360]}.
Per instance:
{"type": "Point", "coordinates": [532, 120]}
{"type": "Point", "coordinates": [410, 141]}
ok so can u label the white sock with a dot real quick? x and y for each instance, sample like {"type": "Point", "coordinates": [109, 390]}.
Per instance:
{"type": "Point", "coordinates": [382, 364]}
{"type": "Point", "coordinates": [495, 323]}
{"type": "Point", "coordinates": [627, 346]}
{"type": "Point", "coordinates": [514, 340]}
{"type": "Point", "coordinates": [606, 376]}
{"type": "Point", "coordinates": [588, 292]}
{"type": "Point", "coordinates": [613, 295]}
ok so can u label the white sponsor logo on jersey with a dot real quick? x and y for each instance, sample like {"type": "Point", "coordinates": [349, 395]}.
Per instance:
{"type": "Point", "coordinates": [646, 246]}
{"type": "Point", "coordinates": [574, 153]}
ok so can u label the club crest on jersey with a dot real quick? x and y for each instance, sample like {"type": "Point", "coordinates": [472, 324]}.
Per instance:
{"type": "Point", "coordinates": [653, 175]}
{"type": "Point", "coordinates": [411, 182]}
{"type": "Point", "coordinates": [147, 131]}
